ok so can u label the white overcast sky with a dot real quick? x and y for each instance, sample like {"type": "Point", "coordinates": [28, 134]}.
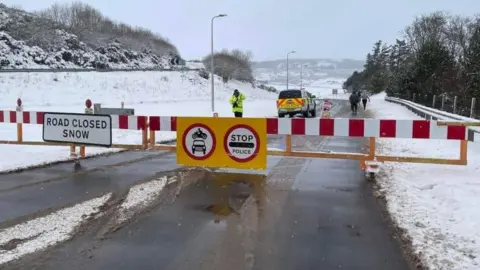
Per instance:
{"type": "Point", "coordinates": [270, 28]}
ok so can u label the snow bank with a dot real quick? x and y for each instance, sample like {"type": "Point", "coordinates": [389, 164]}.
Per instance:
{"type": "Point", "coordinates": [43, 232]}
{"type": "Point", "coordinates": [140, 196]}
{"type": "Point", "coordinates": [436, 205]}
{"type": "Point", "coordinates": [149, 93]}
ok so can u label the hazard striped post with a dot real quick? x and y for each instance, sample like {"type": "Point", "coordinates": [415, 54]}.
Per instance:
{"type": "Point", "coordinates": [88, 110]}
{"type": "Point", "coordinates": [19, 110]}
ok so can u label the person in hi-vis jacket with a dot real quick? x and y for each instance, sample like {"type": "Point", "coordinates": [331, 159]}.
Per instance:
{"type": "Point", "coordinates": [237, 103]}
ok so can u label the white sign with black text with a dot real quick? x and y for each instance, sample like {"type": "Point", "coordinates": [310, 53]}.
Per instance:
{"type": "Point", "coordinates": [76, 128]}
{"type": "Point", "coordinates": [241, 143]}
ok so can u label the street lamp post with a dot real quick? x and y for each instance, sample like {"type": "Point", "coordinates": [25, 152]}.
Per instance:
{"type": "Point", "coordinates": [301, 76]}
{"type": "Point", "coordinates": [287, 64]}
{"type": "Point", "coordinates": [212, 60]}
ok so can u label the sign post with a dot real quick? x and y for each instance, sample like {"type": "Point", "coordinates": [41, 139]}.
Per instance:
{"type": "Point", "coordinates": [19, 110]}
{"type": "Point", "coordinates": [78, 128]}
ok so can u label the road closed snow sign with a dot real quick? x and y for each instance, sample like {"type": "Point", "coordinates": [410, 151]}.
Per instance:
{"type": "Point", "coordinates": [199, 141]}
{"type": "Point", "coordinates": [241, 143]}
{"type": "Point", "coordinates": [77, 128]}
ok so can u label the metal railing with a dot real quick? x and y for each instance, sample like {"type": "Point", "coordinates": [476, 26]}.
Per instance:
{"type": "Point", "coordinates": [429, 113]}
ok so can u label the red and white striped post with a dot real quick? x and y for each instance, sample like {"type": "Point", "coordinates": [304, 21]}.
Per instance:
{"type": "Point", "coordinates": [88, 110]}
{"type": "Point", "coordinates": [19, 109]}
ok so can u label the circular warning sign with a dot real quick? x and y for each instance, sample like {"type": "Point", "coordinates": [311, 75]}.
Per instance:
{"type": "Point", "coordinates": [241, 143]}
{"type": "Point", "coordinates": [327, 105]}
{"type": "Point", "coordinates": [198, 141]}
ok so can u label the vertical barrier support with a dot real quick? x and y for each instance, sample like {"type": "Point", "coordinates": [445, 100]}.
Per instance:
{"type": "Point", "coordinates": [288, 143]}
{"type": "Point", "coordinates": [88, 110]}
{"type": "Point", "coordinates": [371, 148]}
{"type": "Point", "coordinates": [371, 153]}
{"type": "Point", "coordinates": [152, 138]}
{"type": "Point", "coordinates": [82, 151]}
{"type": "Point", "coordinates": [463, 152]}
{"type": "Point", "coordinates": [433, 101]}
{"type": "Point", "coordinates": [19, 132]}
{"type": "Point", "coordinates": [73, 153]}
{"type": "Point", "coordinates": [19, 109]}
{"type": "Point", "coordinates": [145, 137]}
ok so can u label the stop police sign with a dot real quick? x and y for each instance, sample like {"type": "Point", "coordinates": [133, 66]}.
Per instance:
{"type": "Point", "coordinates": [241, 143]}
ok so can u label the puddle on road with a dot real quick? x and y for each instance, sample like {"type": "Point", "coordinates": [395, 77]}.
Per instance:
{"type": "Point", "coordinates": [229, 191]}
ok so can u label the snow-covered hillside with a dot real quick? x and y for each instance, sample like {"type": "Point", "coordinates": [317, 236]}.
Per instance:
{"type": "Point", "coordinates": [149, 93]}
{"type": "Point", "coordinates": [48, 47]}
{"type": "Point", "coordinates": [72, 53]}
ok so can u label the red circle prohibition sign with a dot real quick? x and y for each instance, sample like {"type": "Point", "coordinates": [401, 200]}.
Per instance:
{"type": "Point", "coordinates": [255, 151]}
{"type": "Point", "coordinates": [184, 141]}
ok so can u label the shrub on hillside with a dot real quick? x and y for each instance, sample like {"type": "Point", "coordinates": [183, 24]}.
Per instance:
{"type": "Point", "coordinates": [96, 30]}
{"type": "Point", "coordinates": [204, 74]}
{"type": "Point", "coordinates": [233, 64]}
{"type": "Point", "coordinates": [268, 88]}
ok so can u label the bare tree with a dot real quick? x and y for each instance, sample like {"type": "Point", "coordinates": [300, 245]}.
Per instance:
{"type": "Point", "coordinates": [234, 64]}
{"type": "Point", "coordinates": [97, 30]}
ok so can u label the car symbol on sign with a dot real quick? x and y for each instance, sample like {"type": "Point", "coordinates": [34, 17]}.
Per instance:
{"type": "Point", "coordinates": [199, 145]}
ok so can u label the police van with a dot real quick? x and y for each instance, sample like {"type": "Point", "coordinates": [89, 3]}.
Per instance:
{"type": "Point", "coordinates": [296, 101]}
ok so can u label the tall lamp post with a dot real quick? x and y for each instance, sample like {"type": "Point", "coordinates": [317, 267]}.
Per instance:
{"type": "Point", "coordinates": [213, 61]}
{"type": "Point", "coordinates": [287, 64]}
{"type": "Point", "coordinates": [301, 76]}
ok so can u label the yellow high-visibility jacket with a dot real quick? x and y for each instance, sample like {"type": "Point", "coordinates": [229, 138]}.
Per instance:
{"type": "Point", "coordinates": [239, 101]}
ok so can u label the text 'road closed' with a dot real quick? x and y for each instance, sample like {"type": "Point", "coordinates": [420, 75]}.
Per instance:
{"type": "Point", "coordinates": [78, 128]}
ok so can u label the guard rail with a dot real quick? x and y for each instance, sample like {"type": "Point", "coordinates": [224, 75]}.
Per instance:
{"type": "Point", "coordinates": [429, 114]}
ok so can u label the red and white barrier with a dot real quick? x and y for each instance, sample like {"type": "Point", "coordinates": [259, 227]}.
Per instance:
{"type": "Point", "coordinates": [118, 121]}
{"type": "Point", "coordinates": [163, 123]}
{"type": "Point", "coordinates": [21, 117]}
{"type": "Point", "coordinates": [378, 128]}
{"type": "Point", "coordinates": [129, 122]}
{"type": "Point", "coordinates": [340, 127]}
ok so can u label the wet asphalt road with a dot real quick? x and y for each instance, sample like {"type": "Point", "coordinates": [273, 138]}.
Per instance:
{"type": "Point", "coordinates": [300, 214]}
